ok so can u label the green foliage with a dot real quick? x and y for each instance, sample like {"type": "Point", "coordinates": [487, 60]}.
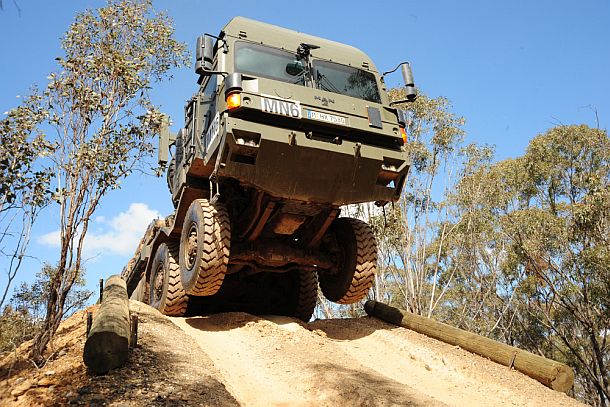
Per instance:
{"type": "Point", "coordinates": [538, 225]}
{"type": "Point", "coordinates": [103, 122]}
{"type": "Point", "coordinates": [16, 327]}
{"type": "Point", "coordinates": [24, 184]}
{"type": "Point", "coordinates": [99, 102]}
{"type": "Point", "coordinates": [408, 258]}
{"type": "Point", "coordinates": [21, 145]}
{"type": "Point", "coordinates": [21, 319]}
{"type": "Point", "coordinates": [516, 250]}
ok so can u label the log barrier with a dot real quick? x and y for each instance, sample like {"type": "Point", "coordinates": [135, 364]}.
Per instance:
{"type": "Point", "coordinates": [555, 375]}
{"type": "Point", "coordinates": [107, 343]}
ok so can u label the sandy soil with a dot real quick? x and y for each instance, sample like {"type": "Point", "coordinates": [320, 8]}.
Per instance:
{"type": "Point", "coordinates": [166, 369]}
{"type": "Point", "coordinates": [357, 362]}
{"type": "Point", "coordinates": [240, 359]}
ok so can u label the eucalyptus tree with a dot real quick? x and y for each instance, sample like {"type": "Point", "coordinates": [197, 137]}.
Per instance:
{"type": "Point", "coordinates": [539, 228]}
{"type": "Point", "coordinates": [409, 273]}
{"type": "Point", "coordinates": [24, 184]}
{"type": "Point", "coordinates": [101, 120]}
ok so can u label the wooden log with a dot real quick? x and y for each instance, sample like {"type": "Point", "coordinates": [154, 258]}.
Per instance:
{"type": "Point", "coordinates": [552, 374]}
{"type": "Point", "coordinates": [107, 344]}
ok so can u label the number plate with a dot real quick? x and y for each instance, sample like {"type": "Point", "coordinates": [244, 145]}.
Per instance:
{"type": "Point", "coordinates": [325, 117]}
{"type": "Point", "coordinates": [290, 108]}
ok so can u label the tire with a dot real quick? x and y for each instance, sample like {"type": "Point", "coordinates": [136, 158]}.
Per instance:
{"type": "Point", "coordinates": [204, 247]}
{"type": "Point", "coordinates": [307, 295]}
{"type": "Point", "coordinates": [357, 262]}
{"type": "Point", "coordinates": [166, 291]}
{"type": "Point", "coordinates": [139, 294]}
{"type": "Point", "coordinates": [295, 295]}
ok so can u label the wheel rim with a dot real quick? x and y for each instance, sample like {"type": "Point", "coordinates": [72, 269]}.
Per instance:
{"type": "Point", "coordinates": [191, 246]}
{"type": "Point", "coordinates": [158, 283]}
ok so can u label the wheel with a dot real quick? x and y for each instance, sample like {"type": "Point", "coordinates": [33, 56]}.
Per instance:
{"type": "Point", "coordinates": [139, 294]}
{"type": "Point", "coordinates": [204, 247]}
{"type": "Point", "coordinates": [166, 292]}
{"type": "Point", "coordinates": [357, 262]}
{"type": "Point", "coordinates": [307, 295]}
{"type": "Point", "coordinates": [294, 294]}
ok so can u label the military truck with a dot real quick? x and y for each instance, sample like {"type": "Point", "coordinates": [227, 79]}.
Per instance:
{"type": "Point", "coordinates": [284, 130]}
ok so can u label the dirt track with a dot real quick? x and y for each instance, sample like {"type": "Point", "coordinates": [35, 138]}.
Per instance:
{"type": "Point", "coordinates": [278, 361]}
{"type": "Point", "coordinates": [239, 359]}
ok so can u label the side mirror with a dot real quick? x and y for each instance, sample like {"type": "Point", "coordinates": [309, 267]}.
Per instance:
{"type": "Point", "coordinates": [295, 68]}
{"type": "Point", "coordinates": [407, 76]}
{"type": "Point", "coordinates": [163, 143]}
{"type": "Point", "coordinates": [204, 55]}
{"type": "Point", "coordinates": [166, 139]}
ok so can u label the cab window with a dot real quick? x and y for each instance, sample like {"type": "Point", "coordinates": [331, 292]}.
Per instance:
{"type": "Point", "coordinates": [346, 80]}
{"type": "Point", "coordinates": [266, 62]}
{"type": "Point", "coordinates": [210, 87]}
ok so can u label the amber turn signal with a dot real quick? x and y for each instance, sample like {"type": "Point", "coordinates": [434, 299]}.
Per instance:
{"type": "Point", "coordinates": [403, 133]}
{"type": "Point", "coordinates": [233, 100]}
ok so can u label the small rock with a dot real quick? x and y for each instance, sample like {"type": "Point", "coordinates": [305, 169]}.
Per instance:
{"type": "Point", "coordinates": [84, 390]}
{"type": "Point", "coordinates": [320, 332]}
{"type": "Point", "coordinates": [49, 372]}
{"type": "Point", "coordinates": [427, 367]}
{"type": "Point", "coordinates": [46, 381]}
{"type": "Point", "coordinates": [21, 388]}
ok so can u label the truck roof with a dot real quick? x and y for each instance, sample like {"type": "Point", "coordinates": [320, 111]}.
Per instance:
{"type": "Point", "coordinates": [272, 35]}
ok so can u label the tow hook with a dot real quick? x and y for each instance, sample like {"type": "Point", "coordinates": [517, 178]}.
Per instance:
{"type": "Point", "coordinates": [357, 148]}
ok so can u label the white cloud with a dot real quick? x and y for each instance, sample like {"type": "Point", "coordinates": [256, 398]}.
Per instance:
{"type": "Point", "coordinates": [119, 235]}
{"type": "Point", "coordinates": [50, 239]}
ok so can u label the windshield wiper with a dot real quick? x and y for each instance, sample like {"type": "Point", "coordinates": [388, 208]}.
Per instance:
{"type": "Point", "coordinates": [330, 87]}
{"type": "Point", "coordinates": [300, 79]}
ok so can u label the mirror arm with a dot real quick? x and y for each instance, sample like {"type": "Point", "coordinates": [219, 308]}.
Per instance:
{"type": "Point", "coordinates": [407, 76]}
{"type": "Point", "coordinates": [397, 102]}
{"type": "Point", "coordinates": [395, 69]}
{"type": "Point", "coordinates": [225, 45]}
{"type": "Point", "coordinates": [208, 73]}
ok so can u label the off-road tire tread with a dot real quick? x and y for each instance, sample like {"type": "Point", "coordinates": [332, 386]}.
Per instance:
{"type": "Point", "coordinates": [176, 299]}
{"type": "Point", "coordinates": [366, 264]}
{"type": "Point", "coordinates": [308, 295]}
{"type": "Point", "coordinates": [216, 248]}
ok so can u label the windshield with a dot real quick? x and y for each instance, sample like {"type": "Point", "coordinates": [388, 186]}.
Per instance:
{"type": "Point", "coordinates": [264, 61]}
{"type": "Point", "coordinates": [346, 80]}
{"type": "Point", "coordinates": [273, 63]}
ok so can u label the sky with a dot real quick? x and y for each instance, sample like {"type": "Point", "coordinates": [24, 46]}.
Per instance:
{"type": "Point", "coordinates": [512, 69]}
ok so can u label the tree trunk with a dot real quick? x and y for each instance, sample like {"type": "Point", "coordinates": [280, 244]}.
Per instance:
{"type": "Point", "coordinates": [553, 374]}
{"type": "Point", "coordinates": [107, 345]}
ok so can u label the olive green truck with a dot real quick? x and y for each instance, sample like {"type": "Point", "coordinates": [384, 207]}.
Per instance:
{"type": "Point", "coordinates": [285, 129]}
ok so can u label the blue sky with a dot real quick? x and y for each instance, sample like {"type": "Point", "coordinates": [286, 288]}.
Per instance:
{"type": "Point", "coordinates": [513, 69]}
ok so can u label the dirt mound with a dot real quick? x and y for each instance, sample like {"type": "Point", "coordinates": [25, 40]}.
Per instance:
{"type": "Point", "coordinates": [237, 358]}
{"type": "Point", "coordinates": [358, 362]}
{"type": "Point", "coordinates": [167, 368]}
